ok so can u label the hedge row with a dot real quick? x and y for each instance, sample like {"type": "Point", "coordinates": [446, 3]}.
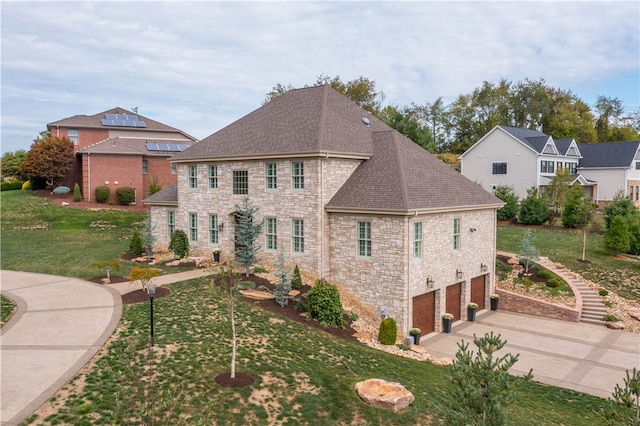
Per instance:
{"type": "Point", "coordinates": [11, 186]}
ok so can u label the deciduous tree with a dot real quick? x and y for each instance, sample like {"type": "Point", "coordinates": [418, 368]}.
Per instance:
{"type": "Point", "coordinates": [12, 164]}
{"type": "Point", "coordinates": [50, 158]}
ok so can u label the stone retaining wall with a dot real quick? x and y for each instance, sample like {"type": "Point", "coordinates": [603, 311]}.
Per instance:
{"type": "Point", "coordinates": [514, 302]}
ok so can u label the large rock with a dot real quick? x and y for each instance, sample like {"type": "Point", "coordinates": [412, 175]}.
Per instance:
{"type": "Point", "coordinates": [257, 294]}
{"type": "Point", "coordinates": [380, 393]}
{"type": "Point", "coordinates": [635, 313]}
{"type": "Point", "coordinates": [614, 325]}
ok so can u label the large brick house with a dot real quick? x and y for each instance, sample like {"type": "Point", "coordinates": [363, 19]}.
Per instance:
{"type": "Point", "coordinates": [118, 148]}
{"type": "Point", "coordinates": [347, 199]}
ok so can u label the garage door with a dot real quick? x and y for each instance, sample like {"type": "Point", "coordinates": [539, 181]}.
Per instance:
{"type": "Point", "coordinates": [424, 312]}
{"type": "Point", "coordinates": [454, 300]}
{"type": "Point", "coordinates": [478, 291]}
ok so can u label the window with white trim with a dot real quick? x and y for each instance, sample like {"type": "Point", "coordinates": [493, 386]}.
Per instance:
{"type": "Point", "coordinates": [270, 232]}
{"type": "Point", "coordinates": [171, 223]}
{"type": "Point", "coordinates": [297, 174]}
{"type": "Point", "coordinates": [456, 233]}
{"type": "Point", "coordinates": [145, 166]}
{"type": "Point", "coordinates": [297, 236]}
{"type": "Point", "coordinates": [213, 176]}
{"type": "Point", "coordinates": [72, 134]}
{"type": "Point", "coordinates": [193, 227]}
{"type": "Point", "coordinates": [270, 173]}
{"type": "Point", "coordinates": [363, 239]}
{"type": "Point", "coordinates": [213, 229]}
{"type": "Point", "coordinates": [499, 168]}
{"type": "Point", "coordinates": [193, 177]}
{"type": "Point", "coordinates": [240, 182]}
{"type": "Point", "coordinates": [417, 239]}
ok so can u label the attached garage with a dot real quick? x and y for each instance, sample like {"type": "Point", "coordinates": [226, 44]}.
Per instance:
{"type": "Point", "coordinates": [424, 312]}
{"type": "Point", "coordinates": [478, 291]}
{"type": "Point", "coordinates": [454, 300]}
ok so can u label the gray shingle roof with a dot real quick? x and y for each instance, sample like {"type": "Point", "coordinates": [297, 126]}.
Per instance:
{"type": "Point", "coordinates": [532, 138]}
{"type": "Point", "coordinates": [131, 146]}
{"type": "Point", "coordinates": [95, 122]}
{"type": "Point", "coordinates": [314, 120]}
{"type": "Point", "coordinates": [608, 154]}
{"type": "Point", "coordinates": [167, 196]}
{"type": "Point", "coordinates": [403, 177]}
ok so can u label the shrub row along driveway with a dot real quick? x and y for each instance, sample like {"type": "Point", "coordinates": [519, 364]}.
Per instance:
{"type": "Point", "coordinates": [60, 323]}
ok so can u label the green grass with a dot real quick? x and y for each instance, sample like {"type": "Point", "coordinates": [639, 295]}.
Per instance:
{"type": "Point", "coordinates": [565, 247]}
{"type": "Point", "coordinates": [303, 376]}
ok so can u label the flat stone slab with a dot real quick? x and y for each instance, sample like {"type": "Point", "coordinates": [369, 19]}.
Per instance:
{"type": "Point", "coordinates": [257, 294]}
{"type": "Point", "coordinates": [383, 394]}
{"type": "Point", "coordinates": [614, 325]}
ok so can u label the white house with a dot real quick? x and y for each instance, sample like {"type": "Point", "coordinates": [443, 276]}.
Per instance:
{"type": "Point", "coordinates": [347, 198]}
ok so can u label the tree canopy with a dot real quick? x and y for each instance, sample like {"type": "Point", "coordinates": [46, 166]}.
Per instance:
{"type": "Point", "coordinates": [49, 158]}
{"type": "Point", "coordinates": [12, 164]}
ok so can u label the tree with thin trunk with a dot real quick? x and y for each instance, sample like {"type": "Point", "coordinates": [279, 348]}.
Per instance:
{"type": "Point", "coordinates": [247, 231]}
{"type": "Point", "coordinates": [528, 252]}
{"type": "Point", "coordinates": [144, 275]}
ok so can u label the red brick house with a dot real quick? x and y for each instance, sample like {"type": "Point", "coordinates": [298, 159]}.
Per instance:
{"type": "Point", "coordinates": [119, 148]}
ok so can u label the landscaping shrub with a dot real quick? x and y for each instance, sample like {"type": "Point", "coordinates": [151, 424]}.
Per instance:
{"type": "Point", "coordinates": [324, 304]}
{"type": "Point", "coordinates": [388, 331]}
{"type": "Point", "coordinates": [603, 292]}
{"type": "Point", "coordinates": [102, 194]}
{"type": "Point", "coordinates": [135, 245]}
{"type": "Point", "coordinates": [527, 284]}
{"type": "Point", "coordinates": [179, 243]}
{"type": "Point", "coordinates": [126, 195]}
{"type": "Point", "coordinates": [554, 282]}
{"type": "Point", "coordinates": [296, 282]}
{"type": "Point", "coordinates": [154, 185]}
{"type": "Point", "coordinates": [11, 186]}
{"type": "Point", "coordinates": [507, 194]}
{"type": "Point", "coordinates": [77, 195]}
{"type": "Point", "coordinates": [26, 186]}
{"type": "Point", "coordinates": [545, 274]}
{"type": "Point", "coordinates": [610, 318]}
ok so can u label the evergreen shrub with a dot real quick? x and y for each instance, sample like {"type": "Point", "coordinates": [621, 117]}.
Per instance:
{"type": "Point", "coordinates": [102, 193]}
{"type": "Point", "coordinates": [135, 245]}
{"type": "Point", "coordinates": [77, 194]}
{"type": "Point", "coordinates": [126, 195]}
{"type": "Point", "coordinates": [296, 282]}
{"type": "Point", "coordinates": [388, 331]}
{"type": "Point", "coordinates": [324, 304]}
{"type": "Point", "coordinates": [179, 243]}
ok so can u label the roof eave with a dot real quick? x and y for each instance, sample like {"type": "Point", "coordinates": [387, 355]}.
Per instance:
{"type": "Point", "coordinates": [412, 212]}
{"type": "Point", "coordinates": [269, 156]}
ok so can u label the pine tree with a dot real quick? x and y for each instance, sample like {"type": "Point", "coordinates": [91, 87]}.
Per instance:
{"type": "Point", "coordinates": [246, 235]}
{"type": "Point", "coordinates": [624, 408]}
{"type": "Point", "coordinates": [616, 238]}
{"type": "Point", "coordinates": [77, 194]}
{"type": "Point", "coordinates": [283, 287]}
{"type": "Point", "coordinates": [135, 245]}
{"type": "Point", "coordinates": [507, 194]}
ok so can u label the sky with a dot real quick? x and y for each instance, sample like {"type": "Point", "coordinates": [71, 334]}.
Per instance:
{"type": "Point", "coordinates": [199, 66]}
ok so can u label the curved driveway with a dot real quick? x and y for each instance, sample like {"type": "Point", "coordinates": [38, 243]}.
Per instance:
{"type": "Point", "coordinates": [60, 324]}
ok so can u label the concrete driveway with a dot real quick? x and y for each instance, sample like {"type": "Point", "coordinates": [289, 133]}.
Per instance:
{"type": "Point", "coordinates": [584, 357]}
{"type": "Point", "coordinates": [60, 324]}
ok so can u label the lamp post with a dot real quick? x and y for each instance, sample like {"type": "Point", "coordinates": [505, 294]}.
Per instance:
{"type": "Point", "coordinates": [151, 290]}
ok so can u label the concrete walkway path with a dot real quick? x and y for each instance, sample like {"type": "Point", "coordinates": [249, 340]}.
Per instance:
{"type": "Point", "coordinates": [59, 325]}
{"type": "Point", "coordinates": [583, 357]}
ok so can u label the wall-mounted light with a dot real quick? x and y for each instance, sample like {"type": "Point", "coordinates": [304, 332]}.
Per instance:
{"type": "Point", "coordinates": [472, 229]}
{"type": "Point", "coordinates": [459, 273]}
{"type": "Point", "coordinates": [106, 182]}
{"type": "Point", "coordinates": [221, 226]}
{"type": "Point", "coordinates": [483, 267]}
{"type": "Point", "coordinates": [115, 182]}
{"type": "Point", "coordinates": [430, 282]}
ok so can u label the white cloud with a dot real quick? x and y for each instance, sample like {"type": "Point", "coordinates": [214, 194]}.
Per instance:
{"type": "Point", "coordinates": [198, 66]}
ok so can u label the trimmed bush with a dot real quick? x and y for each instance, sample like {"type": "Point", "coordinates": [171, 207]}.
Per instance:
{"type": "Point", "coordinates": [126, 195]}
{"type": "Point", "coordinates": [545, 274]}
{"type": "Point", "coordinates": [179, 243]}
{"type": "Point", "coordinates": [324, 304]}
{"type": "Point", "coordinates": [11, 186]}
{"type": "Point", "coordinates": [26, 186]}
{"type": "Point", "coordinates": [388, 331]}
{"type": "Point", "coordinates": [135, 245]}
{"type": "Point", "coordinates": [603, 292]}
{"type": "Point", "coordinates": [554, 282]}
{"type": "Point", "coordinates": [77, 195]}
{"type": "Point", "coordinates": [296, 281]}
{"type": "Point", "coordinates": [102, 193]}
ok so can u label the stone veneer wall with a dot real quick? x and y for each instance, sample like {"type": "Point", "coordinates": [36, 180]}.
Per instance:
{"type": "Point", "coordinates": [514, 302]}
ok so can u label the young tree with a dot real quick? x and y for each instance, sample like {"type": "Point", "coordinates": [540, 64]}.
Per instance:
{"type": "Point", "coordinates": [283, 287]}
{"type": "Point", "coordinates": [49, 158]}
{"type": "Point", "coordinates": [534, 209]}
{"type": "Point", "coordinates": [144, 275]}
{"type": "Point", "coordinates": [616, 237]}
{"type": "Point", "coordinates": [135, 245]}
{"type": "Point", "coordinates": [482, 384]}
{"type": "Point", "coordinates": [558, 188]}
{"type": "Point", "coordinates": [528, 252]}
{"type": "Point", "coordinates": [246, 235]}
{"type": "Point", "coordinates": [108, 266]}
{"type": "Point", "coordinates": [573, 213]}
{"type": "Point", "coordinates": [624, 408]}
{"type": "Point", "coordinates": [620, 206]}
{"type": "Point", "coordinates": [507, 194]}
{"type": "Point", "coordinates": [148, 238]}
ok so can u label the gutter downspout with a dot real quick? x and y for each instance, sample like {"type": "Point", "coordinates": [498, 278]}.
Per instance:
{"type": "Point", "coordinates": [89, 175]}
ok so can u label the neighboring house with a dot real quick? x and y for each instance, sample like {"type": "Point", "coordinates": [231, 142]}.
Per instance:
{"type": "Point", "coordinates": [119, 148]}
{"type": "Point", "coordinates": [347, 199]}
{"type": "Point", "coordinates": [521, 158]}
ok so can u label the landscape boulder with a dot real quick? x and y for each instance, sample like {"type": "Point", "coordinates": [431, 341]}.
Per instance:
{"type": "Point", "coordinates": [614, 325]}
{"type": "Point", "coordinates": [383, 394]}
{"type": "Point", "coordinates": [635, 313]}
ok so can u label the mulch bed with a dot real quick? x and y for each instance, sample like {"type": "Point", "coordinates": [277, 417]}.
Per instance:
{"type": "Point", "coordinates": [241, 380]}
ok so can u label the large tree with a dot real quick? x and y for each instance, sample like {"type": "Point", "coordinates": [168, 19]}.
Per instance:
{"type": "Point", "coordinates": [49, 158]}
{"type": "Point", "coordinates": [569, 117]}
{"type": "Point", "coordinates": [247, 231]}
{"type": "Point", "coordinates": [12, 164]}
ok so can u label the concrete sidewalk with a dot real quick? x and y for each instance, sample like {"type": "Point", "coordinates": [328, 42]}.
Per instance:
{"type": "Point", "coordinates": [160, 280]}
{"type": "Point", "coordinates": [583, 357]}
{"type": "Point", "coordinates": [59, 325]}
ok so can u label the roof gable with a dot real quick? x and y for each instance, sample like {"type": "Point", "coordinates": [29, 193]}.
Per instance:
{"type": "Point", "coordinates": [310, 121]}
{"type": "Point", "coordinates": [608, 154]}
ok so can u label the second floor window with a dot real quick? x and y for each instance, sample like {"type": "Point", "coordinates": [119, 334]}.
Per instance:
{"type": "Point", "coordinates": [271, 233]}
{"type": "Point", "coordinates": [499, 168]}
{"type": "Point", "coordinates": [364, 239]}
{"type": "Point", "coordinates": [297, 236]}
{"type": "Point", "coordinates": [193, 227]}
{"type": "Point", "coordinates": [240, 182]}
{"type": "Point", "coordinates": [547, 166]}
{"type": "Point", "coordinates": [213, 177]}
{"type": "Point", "coordinates": [213, 229]}
{"type": "Point", "coordinates": [456, 233]}
{"type": "Point", "coordinates": [417, 239]}
{"type": "Point", "coordinates": [270, 174]}
{"type": "Point", "coordinates": [193, 177]}
{"type": "Point", "coordinates": [174, 168]}
{"type": "Point", "coordinates": [72, 134]}
{"type": "Point", "coordinates": [171, 222]}
{"type": "Point", "coordinates": [145, 166]}
{"type": "Point", "coordinates": [297, 175]}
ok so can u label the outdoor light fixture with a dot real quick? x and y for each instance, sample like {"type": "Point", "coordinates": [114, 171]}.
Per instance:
{"type": "Point", "coordinates": [459, 273]}
{"type": "Point", "coordinates": [430, 282]}
{"type": "Point", "coordinates": [483, 267]}
{"type": "Point", "coordinates": [151, 290]}
{"type": "Point", "coordinates": [220, 226]}
{"type": "Point", "coordinates": [472, 229]}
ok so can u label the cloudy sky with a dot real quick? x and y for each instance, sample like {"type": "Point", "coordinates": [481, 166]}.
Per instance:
{"type": "Point", "coordinates": [199, 66]}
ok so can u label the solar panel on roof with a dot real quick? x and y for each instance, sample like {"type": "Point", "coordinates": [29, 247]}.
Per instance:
{"type": "Point", "coordinates": [183, 147]}
{"type": "Point", "coordinates": [122, 120]}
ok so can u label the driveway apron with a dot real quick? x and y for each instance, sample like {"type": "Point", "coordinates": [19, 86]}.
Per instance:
{"type": "Point", "coordinates": [583, 357]}
{"type": "Point", "coordinates": [59, 325]}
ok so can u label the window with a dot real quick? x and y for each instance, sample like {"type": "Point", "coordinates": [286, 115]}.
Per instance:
{"type": "Point", "coordinates": [297, 174]}
{"type": "Point", "coordinates": [270, 174]}
{"type": "Point", "coordinates": [270, 233]}
{"type": "Point", "coordinates": [558, 165]}
{"type": "Point", "coordinates": [499, 168]}
{"type": "Point", "coordinates": [171, 222]}
{"type": "Point", "coordinates": [193, 177]}
{"type": "Point", "coordinates": [213, 177]}
{"type": "Point", "coordinates": [240, 182]}
{"type": "Point", "coordinates": [174, 168]}
{"type": "Point", "coordinates": [193, 227]}
{"type": "Point", "coordinates": [417, 239]}
{"type": "Point", "coordinates": [297, 236]}
{"type": "Point", "coordinates": [72, 134]}
{"type": "Point", "coordinates": [213, 228]}
{"type": "Point", "coordinates": [637, 165]}
{"type": "Point", "coordinates": [572, 167]}
{"type": "Point", "coordinates": [550, 167]}
{"type": "Point", "coordinates": [364, 239]}
{"type": "Point", "coordinates": [543, 166]}
{"type": "Point", "coordinates": [145, 166]}
{"type": "Point", "coordinates": [456, 233]}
